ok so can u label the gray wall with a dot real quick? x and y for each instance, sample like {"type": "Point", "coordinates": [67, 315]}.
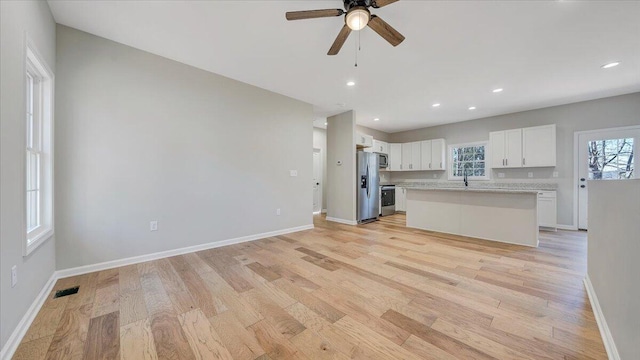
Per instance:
{"type": "Point", "coordinates": [34, 18]}
{"type": "Point", "coordinates": [377, 134]}
{"type": "Point", "coordinates": [341, 179]}
{"type": "Point", "coordinates": [611, 112]}
{"type": "Point", "coordinates": [320, 142]}
{"type": "Point", "coordinates": [613, 267]}
{"type": "Point", "coordinates": [142, 138]}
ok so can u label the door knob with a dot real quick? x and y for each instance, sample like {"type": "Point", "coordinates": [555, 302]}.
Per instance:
{"type": "Point", "coordinates": [582, 179]}
{"type": "Point", "coordinates": [583, 186]}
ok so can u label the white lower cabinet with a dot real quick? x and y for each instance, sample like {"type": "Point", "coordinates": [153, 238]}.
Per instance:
{"type": "Point", "coordinates": [547, 209]}
{"type": "Point", "coordinates": [401, 199]}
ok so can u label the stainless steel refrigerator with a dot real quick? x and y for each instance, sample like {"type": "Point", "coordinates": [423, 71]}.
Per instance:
{"type": "Point", "coordinates": [367, 186]}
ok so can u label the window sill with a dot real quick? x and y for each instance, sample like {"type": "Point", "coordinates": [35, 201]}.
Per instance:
{"type": "Point", "coordinates": [37, 239]}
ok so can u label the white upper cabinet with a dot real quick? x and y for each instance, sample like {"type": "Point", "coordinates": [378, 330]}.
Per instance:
{"type": "Point", "coordinates": [539, 146]}
{"type": "Point", "coordinates": [506, 148]}
{"type": "Point", "coordinates": [411, 156]}
{"type": "Point", "coordinates": [380, 147]}
{"type": "Point", "coordinates": [364, 141]}
{"type": "Point", "coordinates": [433, 155]}
{"type": "Point", "coordinates": [406, 157]}
{"type": "Point", "coordinates": [395, 157]}
{"type": "Point", "coordinates": [415, 156]}
{"type": "Point", "coordinates": [528, 147]}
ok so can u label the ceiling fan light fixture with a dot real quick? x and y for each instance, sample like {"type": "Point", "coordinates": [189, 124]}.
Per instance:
{"type": "Point", "coordinates": [357, 18]}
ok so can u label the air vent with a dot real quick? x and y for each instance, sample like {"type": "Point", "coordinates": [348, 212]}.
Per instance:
{"type": "Point", "coordinates": [65, 292]}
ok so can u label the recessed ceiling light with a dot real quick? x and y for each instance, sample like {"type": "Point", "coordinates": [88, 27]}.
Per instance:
{"type": "Point", "coordinates": [325, 124]}
{"type": "Point", "coordinates": [351, 83]}
{"type": "Point", "coordinates": [497, 90]}
{"type": "Point", "coordinates": [472, 107]}
{"type": "Point", "coordinates": [376, 119]}
{"type": "Point", "coordinates": [435, 105]}
{"type": "Point", "coordinates": [610, 65]}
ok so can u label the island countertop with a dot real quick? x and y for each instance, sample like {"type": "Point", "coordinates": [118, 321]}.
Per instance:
{"type": "Point", "coordinates": [473, 189]}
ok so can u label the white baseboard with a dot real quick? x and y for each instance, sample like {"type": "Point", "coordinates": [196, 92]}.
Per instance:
{"type": "Point", "coordinates": [16, 337]}
{"type": "Point", "coordinates": [566, 227]}
{"type": "Point", "coordinates": [607, 338]}
{"type": "Point", "coordinates": [163, 254]}
{"type": "Point", "coordinates": [342, 221]}
{"type": "Point", "coordinates": [18, 333]}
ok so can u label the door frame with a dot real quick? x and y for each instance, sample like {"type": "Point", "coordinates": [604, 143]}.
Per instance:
{"type": "Point", "coordinates": [319, 151]}
{"type": "Point", "coordinates": [576, 156]}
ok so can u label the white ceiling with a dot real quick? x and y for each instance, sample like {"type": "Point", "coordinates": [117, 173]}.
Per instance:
{"type": "Point", "coordinates": [543, 53]}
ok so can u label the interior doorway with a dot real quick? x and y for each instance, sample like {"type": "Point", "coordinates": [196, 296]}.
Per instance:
{"type": "Point", "coordinates": [317, 179]}
{"type": "Point", "coordinates": [606, 154]}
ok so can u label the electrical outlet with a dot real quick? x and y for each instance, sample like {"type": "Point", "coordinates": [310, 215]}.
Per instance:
{"type": "Point", "coordinates": [14, 275]}
{"type": "Point", "coordinates": [278, 212]}
{"type": "Point", "coordinates": [293, 173]}
{"type": "Point", "coordinates": [530, 174]}
{"type": "Point", "coordinates": [555, 174]}
{"type": "Point", "coordinates": [153, 225]}
{"type": "Point", "coordinates": [500, 175]}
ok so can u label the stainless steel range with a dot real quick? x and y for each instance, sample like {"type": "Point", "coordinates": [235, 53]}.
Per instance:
{"type": "Point", "coordinates": [387, 200]}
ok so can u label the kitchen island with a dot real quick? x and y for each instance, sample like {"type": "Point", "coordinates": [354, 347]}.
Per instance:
{"type": "Point", "coordinates": [504, 215]}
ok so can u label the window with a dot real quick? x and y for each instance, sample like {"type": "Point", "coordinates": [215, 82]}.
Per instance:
{"type": "Point", "coordinates": [39, 146]}
{"type": "Point", "coordinates": [611, 159]}
{"type": "Point", "coordinates": [469, 159]}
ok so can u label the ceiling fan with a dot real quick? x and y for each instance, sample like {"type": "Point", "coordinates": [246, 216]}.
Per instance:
{"type": "Point", "coordinates": [357, 17]}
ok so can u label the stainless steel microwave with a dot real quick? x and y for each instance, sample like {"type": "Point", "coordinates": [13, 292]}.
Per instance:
{"type": "Point", "coordinates": [383, 160]}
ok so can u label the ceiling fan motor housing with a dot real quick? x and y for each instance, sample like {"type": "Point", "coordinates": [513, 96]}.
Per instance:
{"type": "Point", "coordinates": [350, 4]}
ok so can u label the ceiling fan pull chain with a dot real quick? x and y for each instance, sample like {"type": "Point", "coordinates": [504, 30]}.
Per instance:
{"type": "Point", "coordinates": [357, 45]}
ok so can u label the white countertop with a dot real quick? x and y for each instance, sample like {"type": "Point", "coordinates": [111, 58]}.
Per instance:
{"type": "Point", "coordinates": [472, 189]}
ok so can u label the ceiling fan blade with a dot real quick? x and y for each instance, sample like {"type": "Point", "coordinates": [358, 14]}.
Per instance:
{"type": "Point", "coordinates": [385, 30]}
{"type": "Point", "coordinates": [380, 3]}
{"type": "Point", "coordinates": [312, 14]}
{"type": "Point", "coordinates": [337, 44]}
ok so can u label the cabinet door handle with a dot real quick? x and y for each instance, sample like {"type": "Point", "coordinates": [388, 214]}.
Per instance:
{"type": "Point", "coordinates": [524, 161]}
{"type": "Point", "coordinates": [502, 162]}
{"type": "Point", "coordinates": [506, 162]}
{"type": "Point", "coordinates": [429, 165]}
{"type": "Point", "coordinates": [400, 166]}
{"type": "Point", "coordinates": [440, 164]}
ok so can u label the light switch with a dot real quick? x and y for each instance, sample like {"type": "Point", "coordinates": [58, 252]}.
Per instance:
{"type": "Point", "coordinates": [293, 173]}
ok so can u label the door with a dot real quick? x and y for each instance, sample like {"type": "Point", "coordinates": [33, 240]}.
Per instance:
{"type": "Point", "coordinates": [406, 157]}
{"type": "Point", "coordinates": [395, 157]}
{"type": "Point", "coordinates": [415, 156]}
{"type": "Point", "coordinates": [425, 155]}
{"type": "Point", "coordinates": [604, 155]}
{"type": "Point", "coordinates": [317, 179]}
{"type": "Point", "coordinates": [498, 154]}
{"type": "Point", "coordinates": [438, 160]}
{"type": "Point", "coordinates": [513, 148]}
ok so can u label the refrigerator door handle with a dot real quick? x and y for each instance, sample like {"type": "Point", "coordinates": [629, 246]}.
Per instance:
{"type": "Point", "coordinates": [368, 180]}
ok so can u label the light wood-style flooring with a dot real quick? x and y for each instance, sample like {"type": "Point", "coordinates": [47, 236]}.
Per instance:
{"type": "Point", "coordinates": [377, 291]}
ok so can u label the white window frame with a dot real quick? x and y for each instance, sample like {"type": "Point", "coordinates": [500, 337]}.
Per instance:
{"type": "Point", "coordinates": [451, 162]}
{"type": "Point", "coordinates": [43, 95]}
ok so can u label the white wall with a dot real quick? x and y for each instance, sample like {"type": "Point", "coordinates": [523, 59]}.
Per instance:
{"type": "Point", "coordinates": [320, 142]}
{"type": "Point", "coordinates": [610, 112]}
{"type": "Point", "coordinates": [34, 18]}
{"type": "Point", "coordinates": [341, 179]}
{"type": "Point", "coordinates": [142, 138]}
{"type": "Point", "coordinates": [613, 267]}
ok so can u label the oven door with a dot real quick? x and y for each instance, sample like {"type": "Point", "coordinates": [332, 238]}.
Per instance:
{"type": "Point", "coordinates": [388, 201]}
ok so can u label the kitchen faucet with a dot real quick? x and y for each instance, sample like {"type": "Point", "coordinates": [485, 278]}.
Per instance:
{"type": "Point", "coordinates": [466, 182]}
